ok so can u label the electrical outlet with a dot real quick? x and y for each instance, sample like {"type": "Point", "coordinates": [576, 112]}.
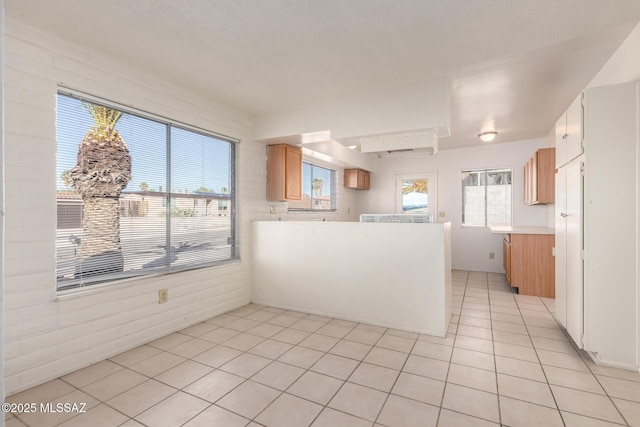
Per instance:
{"type": "Point", "coordinates": [492, 255]}
{"type": "Point", "coordinates": [442, 214]}
{"type": "Point", "coordinates": [272, 209]}
{"type": "Point", "coordinates": [163, 296]}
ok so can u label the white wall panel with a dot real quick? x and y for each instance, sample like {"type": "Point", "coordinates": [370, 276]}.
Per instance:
{"type": "Point", "coordinates": [47, 337]}
{"type": "Point", "coordinates": [470, 245]}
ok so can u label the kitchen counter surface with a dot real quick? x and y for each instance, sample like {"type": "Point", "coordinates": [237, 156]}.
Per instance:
{"type": "Point", "coordinates": [522, 230]}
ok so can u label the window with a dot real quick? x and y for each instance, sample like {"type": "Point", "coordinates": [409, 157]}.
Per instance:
{"type": "Point", "coordinates": [138, 195]}
{"type": "Point", "coordinates": [486, 197]}
{"type": "Point", "coordinates": [416, 193]}
{"type": "Point", "coordinates": [318, 189]}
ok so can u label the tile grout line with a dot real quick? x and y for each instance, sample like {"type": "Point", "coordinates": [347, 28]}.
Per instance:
{"type": "Point", "coordinates": [520, 305]}
{"type": "Point", "coordinates": [453, 347]}
{"type": "Point", "coordinates": [495, 361]}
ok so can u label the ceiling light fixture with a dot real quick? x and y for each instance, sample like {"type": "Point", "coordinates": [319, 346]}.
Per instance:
{"type": "Point", "coordinates": [487, 136]}
{"type": "Point", "coordinates": [352, 147]}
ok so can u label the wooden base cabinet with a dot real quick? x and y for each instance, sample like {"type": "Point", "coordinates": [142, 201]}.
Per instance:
{"type": "Point", "coordinates": [529, 263]}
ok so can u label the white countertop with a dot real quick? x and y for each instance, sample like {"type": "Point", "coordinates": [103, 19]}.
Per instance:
{"type": "Point", "coordinates": [522, 230]}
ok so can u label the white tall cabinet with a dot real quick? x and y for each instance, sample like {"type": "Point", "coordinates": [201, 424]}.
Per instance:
{"type": "Point", "coordinates": [598, 226]}
{"type": "Point", "coordinates": [569, 264]}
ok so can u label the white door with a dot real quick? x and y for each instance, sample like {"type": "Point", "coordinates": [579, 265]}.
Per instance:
{"type": "Point", "coordinates": [574, 245]}
{"type": "Point", "coordinates": [561, 246]}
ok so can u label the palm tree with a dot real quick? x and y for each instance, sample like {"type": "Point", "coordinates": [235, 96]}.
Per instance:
{"type": "Point", "coordinates": [318, 183]}
{"type": "Point", "coordinates": [415, 185]}
{"type": "Point", "coordinates": [65, 176]}
{"type": "Point", "coordinates": [144, 186]}
{"type": "Point", "coordinates": [102, 172]}
{"type": "Point", "coordinates": [223, 190]}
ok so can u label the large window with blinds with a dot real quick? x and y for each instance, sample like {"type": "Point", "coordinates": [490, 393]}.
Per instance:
{"type": "Point", "coordinates": [138, 194]}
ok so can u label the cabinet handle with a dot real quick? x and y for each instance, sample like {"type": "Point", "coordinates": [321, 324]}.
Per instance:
{"type": "Point", "coordinates": [563, 215]}
{"type": "Point", "coordinates": [565, 136]}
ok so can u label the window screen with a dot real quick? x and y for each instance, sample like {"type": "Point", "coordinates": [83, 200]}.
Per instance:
{"type": "Point", "coordinates": [486, 197]}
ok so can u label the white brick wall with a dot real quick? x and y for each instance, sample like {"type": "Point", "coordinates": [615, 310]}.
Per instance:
{"type": "Point", "coordinates": [47, 337]}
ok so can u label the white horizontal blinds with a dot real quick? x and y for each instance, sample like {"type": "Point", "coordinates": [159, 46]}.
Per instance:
{"type": "Point", "coordinates": [201, 190]}
{"type": "Point", "coordinates": [150, 226]}
{"type": "Point", "coordinates": [142, 213]}
{"type": "Point", "coordinates": [72, 124]}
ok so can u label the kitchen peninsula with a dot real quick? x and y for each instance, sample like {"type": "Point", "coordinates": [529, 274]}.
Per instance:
{"type": "Point", "coordinates": [386, 274]}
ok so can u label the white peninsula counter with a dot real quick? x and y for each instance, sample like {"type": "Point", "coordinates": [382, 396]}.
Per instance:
{"type": "Point", "coordinates": [392, 275]}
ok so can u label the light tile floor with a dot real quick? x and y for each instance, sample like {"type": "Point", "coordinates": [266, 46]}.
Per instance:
{"type": "Point", "coordinates": [504, 362]}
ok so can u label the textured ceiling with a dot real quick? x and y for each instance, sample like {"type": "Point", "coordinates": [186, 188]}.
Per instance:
{"type": "Point", "coordinates": [265, 56]}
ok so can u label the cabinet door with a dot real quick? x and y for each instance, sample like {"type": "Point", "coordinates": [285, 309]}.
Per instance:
{"type": "Point", "coordinates": [533, 179]}
{"type": "Point", "coordinates": [293, 173]}
{"type": "Point", "coordinates": [356, 178]}
{"type": "Point", "coordinates": [574, 262]}
{"type": "Point", "coordinates": [573, 140]}
{"type": "Point", "coordinates": [561, 246]}
{"type": "Point", "coordinates": [506, 258]}
{"type": "Point", "coordinates": [532, 264]}
{"type": "Point", "coordinates": [366, 180]}
{"type": "Point", "coordinates": [545, 176]}
{"type": "Point", "coordinates": [350, 178]}
{"type": "Point", "coordinates": [610, 222]}
{"type": "Point", "coordinates": [561, 140]}
{"type": "Point", "coordinates": [527, 183]}
{"type": "Point", "coordinates": [284, 173]}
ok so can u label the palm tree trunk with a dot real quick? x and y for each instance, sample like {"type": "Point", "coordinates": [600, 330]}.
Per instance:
{"type": "Point", "coordinates": [100, 247]}
{"type": "Point", "coordinates": [100, 225]}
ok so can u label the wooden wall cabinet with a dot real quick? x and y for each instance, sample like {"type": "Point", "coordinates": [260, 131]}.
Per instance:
{"type": "Point", "coordinates": [357, 179]}
{"type": "Point", "coordinates": [284, 173]}
{"type": "Point", "coordinates": [529, 263]}
{"type": "Point", "coordinates": [539, 177]}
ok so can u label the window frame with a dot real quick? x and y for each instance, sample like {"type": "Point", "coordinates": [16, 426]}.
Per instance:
{"type": "Point", "coordinates": [462, 186]}
{"type": "Point", "coordinates": [101, 281]}
{"type": "Point", "coordinates": [333, 192]}
{"type": "Point", "coordinates": [432, 179]}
